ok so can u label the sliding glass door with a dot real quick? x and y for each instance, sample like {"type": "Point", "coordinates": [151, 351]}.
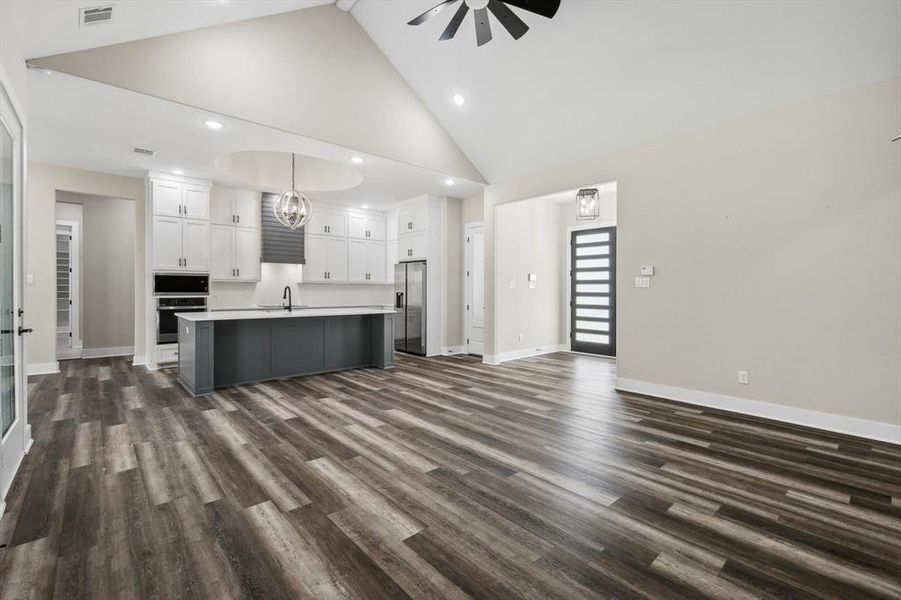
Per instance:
{"type": "Point", "coordinates": [12, 419]}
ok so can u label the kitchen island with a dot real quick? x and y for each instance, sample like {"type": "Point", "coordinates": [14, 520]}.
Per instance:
{"type": "Point", "coordinates": [217, 349]}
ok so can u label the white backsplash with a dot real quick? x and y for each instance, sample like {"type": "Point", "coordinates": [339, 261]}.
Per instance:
{"type": "Point", "coordinates": [274, 278]}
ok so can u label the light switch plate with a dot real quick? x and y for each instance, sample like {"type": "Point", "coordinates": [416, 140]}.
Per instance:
{"type": "Point", "coordinates": [30, 279]}
{"type": "Point", "coordinates": [531, 285]}
{"type": "Point", "coordinates": [642, 282]}
{"type": "Point", "coordinates": [647, 269]}
{"type": "Point", "coordinates": [533, 276]}
{"type": "Point", "coordinates": [512, 284]}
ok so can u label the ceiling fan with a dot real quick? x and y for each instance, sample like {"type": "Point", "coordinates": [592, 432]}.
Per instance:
{"type": "Point", "coordinates": [512, 23]}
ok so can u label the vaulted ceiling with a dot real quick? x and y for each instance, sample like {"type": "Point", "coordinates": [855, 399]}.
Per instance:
{"type": "Point", "coordinates": [604, 75]}
{"type": "Point", "coordinates": [601, 76]}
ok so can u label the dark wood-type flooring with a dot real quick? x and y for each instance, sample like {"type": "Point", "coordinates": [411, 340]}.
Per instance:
{"type": "Point", "coordinates": [443, 478]}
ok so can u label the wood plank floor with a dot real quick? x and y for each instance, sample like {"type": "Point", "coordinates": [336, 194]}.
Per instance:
{"type": "Point", "coordinates": [442, 478]}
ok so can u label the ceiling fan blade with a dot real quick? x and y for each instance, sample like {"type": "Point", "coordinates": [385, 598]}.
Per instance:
{"type": "Point", "coordinates": [455, 21]}
{"type": "Point", "coordinates": [508, 18]}
{"type": "Point", "coordinates": [431, 13]}
{"type": "Point", "coordinates": [545, 8]}
{"type": "Point", "coordinates": [483, 28]}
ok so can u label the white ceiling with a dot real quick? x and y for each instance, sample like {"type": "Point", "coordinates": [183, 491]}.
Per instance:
{"type": "Point", "coordinates": [603, 75]}
{"type": "Point", "coordinates": [97, 126]}
{"type": "Point", "coordinates": [49, 27]}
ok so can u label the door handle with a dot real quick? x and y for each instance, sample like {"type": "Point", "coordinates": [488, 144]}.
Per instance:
{"type": "Point", "coordinates": [22, 330]}
{"type": "Point", "coordinates": [399, 300]}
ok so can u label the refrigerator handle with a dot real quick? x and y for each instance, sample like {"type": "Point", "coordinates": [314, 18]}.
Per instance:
{"type": "Point", "coordinates": [399, 300]}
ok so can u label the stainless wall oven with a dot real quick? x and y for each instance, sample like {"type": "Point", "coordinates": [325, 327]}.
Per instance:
{"type": "Point", "coordinates": [167, 308]}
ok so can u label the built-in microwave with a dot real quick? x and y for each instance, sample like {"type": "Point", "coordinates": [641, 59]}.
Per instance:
{"type": "Point", "coordinates": [177, 284]}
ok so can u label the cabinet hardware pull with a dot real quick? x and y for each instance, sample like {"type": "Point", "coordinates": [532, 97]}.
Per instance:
{"type": "Point", "coordinates": [239, 218]}
{"type": "Point", "coordinates": [239, 272]}
{"type": "Point", "coordinates": [233, 272]}
{"type": "Point", "coordinates": [233, 218]}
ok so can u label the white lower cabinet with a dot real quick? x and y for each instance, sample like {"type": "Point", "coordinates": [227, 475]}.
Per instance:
{"type": "Point", "coordinates": [366, 261]}
{"type": "Point", "coordinates": [235, 253]}
{"type": "Point", "coordinates": [326, 259]}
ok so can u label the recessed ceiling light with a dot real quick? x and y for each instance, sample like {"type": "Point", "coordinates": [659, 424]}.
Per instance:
{"type": "Point", "coordinates": [357, 160]}
{"type": "Point", "coordinates": [177, 172]}
{"type": "Point", "coordinates": [364, 206]}
{"type": "Point", "coordinates": [459, 100]}
{"type": "Point", "coordinates": [216, 125]}
{"type": "Point", "coordinates": [448, 181]}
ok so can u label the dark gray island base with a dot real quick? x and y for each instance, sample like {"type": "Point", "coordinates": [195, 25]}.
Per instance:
{"type": "Point", "coordinates": [234, 347]}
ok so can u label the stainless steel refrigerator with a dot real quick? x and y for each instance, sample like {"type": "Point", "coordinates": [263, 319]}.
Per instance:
{"type": "Point", "coordinates": [409, 301]}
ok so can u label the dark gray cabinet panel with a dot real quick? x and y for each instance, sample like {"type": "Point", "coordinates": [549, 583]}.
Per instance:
{"type": "Point", "coordinates": [297, 346]}
{"type": "Point", "coordinates": [242, 351]}
{"type": "Point", "coordinates": [214, 354]}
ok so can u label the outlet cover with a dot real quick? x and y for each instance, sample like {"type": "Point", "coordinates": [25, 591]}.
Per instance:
{"type": "Point", "coordinates": [642, 282]}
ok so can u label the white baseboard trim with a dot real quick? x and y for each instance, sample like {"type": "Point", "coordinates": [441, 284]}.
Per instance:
{"type": "Point", "coordinates": [496, 359]}
{"type": "Point", "coordinates": [138, 360]}
{"type": "Point", "coordinates": [43, 368]}
{"type": "Point", "coordinates": [452, 350]}
{"type": "Point", "coordinates": [107, 352]}
{"type": "Point", "coordinates": [874, 430]}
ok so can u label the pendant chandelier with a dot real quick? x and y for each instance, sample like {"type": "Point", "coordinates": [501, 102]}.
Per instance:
{"type": "Point", "coordinates": [587, 204]}
{"type": "Point", "coordinates": [293, 209]}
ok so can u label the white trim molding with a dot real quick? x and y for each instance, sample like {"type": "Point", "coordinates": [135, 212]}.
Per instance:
{"type": "Point", "coordinates": [43, 368]}
{"type": "Point", "coordinates": [138, 360]}
{"type": "Point", "coordinates": [875, 430]}
{"type": "Point", "coordinates": [107, 352]}
{"type": "Point", "coordinates": [496, 359]}
{"type": "Point", "coordinates": [452, 350]}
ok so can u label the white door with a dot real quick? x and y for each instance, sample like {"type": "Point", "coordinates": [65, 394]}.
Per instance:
{"type": "Point", "coordinates": [197, 202]}
{"type": "Point", "coordinates": [222, 206]}
{"type": "Point", "coordinates": [247, 253]}
{"type": "Point", "coordinates": [222, 252]}
{"type": "Point", "coordinates": [419, 244]}
{"type": "Point", "coordinates": [315, 254]}
{"type": "Point", "coordinates": [13, 392]}
{"type": "Point", "coordinates": [195, 242]}
{"type": "Point", "coordinates": [357, 261]}
{"type": "Point", "coordinates": [474, 289]}
{"type": "Point", "coordinates": [167, 244]}
{"type": "Point", "coordinates": [337, 260]}
{"type": "Point", "coordinates": [247, 209]}
{"type": "Point", "coordinates": [377, 265]}
{"type": "Point", "coordinates": [167, 198]}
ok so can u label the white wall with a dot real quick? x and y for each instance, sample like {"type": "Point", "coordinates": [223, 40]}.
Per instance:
{"type": "Point", "coordinates": [472, 208]}
{"type": "Point", "coordinates": [453, 273]}
{"type": "Point", "coordinates": [333, 83]}
{"type": "Point", "coordinates": [777, 243]}
{"type": "Point", "coordinates": [12, 58]}
{"type": "Point", "coordinates": [107, 269]}
{"type": "Point", "coordinates": [43, 183]}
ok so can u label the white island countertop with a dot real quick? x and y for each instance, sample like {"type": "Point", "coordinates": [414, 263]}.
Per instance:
{"type": "Point", "coordinates": [297, 313]}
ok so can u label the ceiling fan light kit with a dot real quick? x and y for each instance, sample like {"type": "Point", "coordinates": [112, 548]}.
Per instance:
{"type": "Point", "coordinates": [515, 26]}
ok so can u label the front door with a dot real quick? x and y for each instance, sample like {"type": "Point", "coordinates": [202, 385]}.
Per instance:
{"type": "Point", "coordinates": [12, 419]}
{"type": "Point", "coordinates": [593, 291]}
{"type": "Point", "coordinates": [474, 289]}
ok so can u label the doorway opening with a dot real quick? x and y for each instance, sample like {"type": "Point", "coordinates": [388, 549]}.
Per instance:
{"type": "Point", "coordinates": [95, 276]}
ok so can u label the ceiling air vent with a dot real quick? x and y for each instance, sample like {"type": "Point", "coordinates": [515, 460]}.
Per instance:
{"type": "Point", "coordinates": [145, 151]}
{"type": "Point", "coordinates": [95, 16]}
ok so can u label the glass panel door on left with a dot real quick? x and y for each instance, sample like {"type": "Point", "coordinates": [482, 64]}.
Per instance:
{"type": "Point", "coordinates": [12, 389]}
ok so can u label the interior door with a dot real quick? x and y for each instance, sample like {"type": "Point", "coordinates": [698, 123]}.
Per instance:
{"type": "Point", "coordinates": [593, 291]}
{"type": "Point", "coordinates": [475, 289]}
{"type": "Point", "coordinates": [13, 430]}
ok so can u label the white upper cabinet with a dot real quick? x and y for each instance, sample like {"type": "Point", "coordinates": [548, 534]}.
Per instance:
{"type": "Point", "coordinates": [357, 261]}
{"type": "Point", "coordinates": [196, 202]}
{"type": "Point", "coordinates": [327, 221]}
{"type": "Point", "coordinates": [365, 226]}
{"type": "Point", "coordinates": [222, 251]}
{"type": "Point", "coordinates": [167, 255]}
{"type": "Point", "coordinates": [337, 260]}
{"type": "Point", "coordinates": [240, 208]}
{"type": "Point", "coordinates": [166, 197]}
{"type": "Point", "coordinates": [412, 216]}
{"type": "Point", "coordinates": [247, 254]}
{"type": "Point", "coordinates": [326, 259]}
{"type": "Point", "coordinates": [195, 242]}
{"type": "Point", "coordinates": [378, 265]}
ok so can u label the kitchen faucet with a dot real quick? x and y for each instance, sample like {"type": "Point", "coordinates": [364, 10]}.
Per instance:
{"type": "Point", "coordinates": [286, 295]}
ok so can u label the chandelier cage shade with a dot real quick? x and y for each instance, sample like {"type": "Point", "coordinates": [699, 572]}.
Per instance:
{"type": "Point", "coordinates": [588, 204]}
{"type": "Point", "coordinates": [293, 209]}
